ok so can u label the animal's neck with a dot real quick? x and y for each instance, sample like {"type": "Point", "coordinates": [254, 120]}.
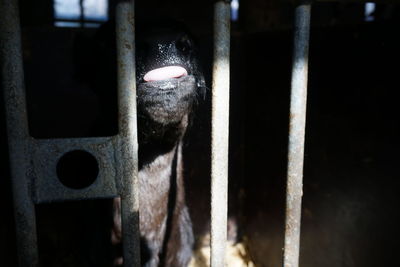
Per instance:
{"type": "Point", "coordinates": [159, 141]}
{"type": "Point", "coordinates": [156, 180]}
{"type": "Point", "coordinates": [160, 166]}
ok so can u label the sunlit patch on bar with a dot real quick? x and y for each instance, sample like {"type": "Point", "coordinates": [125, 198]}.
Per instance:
{"type": "Point", "coordinates": [235, 10]}
{"type": "Point", "coordinates": [369, 13]}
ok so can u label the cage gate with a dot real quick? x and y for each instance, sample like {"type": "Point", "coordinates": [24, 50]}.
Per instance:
{"type": "Point", "coordinates": [33, 162]}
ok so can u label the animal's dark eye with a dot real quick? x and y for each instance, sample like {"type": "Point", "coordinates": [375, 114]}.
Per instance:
{"type": "Point", "coordinates": [184, 44]}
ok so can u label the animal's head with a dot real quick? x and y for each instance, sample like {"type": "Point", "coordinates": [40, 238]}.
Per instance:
{"type": "Point", "coordinates": [169, 77]}
{"type": "Point", "coordinates": [169, 81]}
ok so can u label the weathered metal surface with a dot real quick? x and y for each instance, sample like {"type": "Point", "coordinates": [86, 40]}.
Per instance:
{"type": "Point", "coordinates": [45, 156]}
{"type": "Point", "coordinates": [127, 156]}
{"type": "Point", "coordinates": [17, 132]}
{"type": "Point", "coordinates": [34, 162]}
{"type": "Point", "coordinates": [298, 103]}
{"type": "Point", "coordinates": [220, 133]}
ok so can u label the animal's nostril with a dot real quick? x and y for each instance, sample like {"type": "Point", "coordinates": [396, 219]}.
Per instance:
{"type": "Point", "coordinates": [165, 73]}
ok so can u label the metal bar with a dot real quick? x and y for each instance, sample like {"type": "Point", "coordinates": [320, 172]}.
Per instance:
{"type": "Point", "coordinates": [82, 14]}
{"type": "Point", "coordinates": [128, 158]}
{"type": "Point", "coordinates": [298, 101]}
{"type": "Point", "coordinates": [17, 131]}
{"type": "Point", "coordinates": [33, 161]}
{"type": "Point", "coordinates": [220, 133]}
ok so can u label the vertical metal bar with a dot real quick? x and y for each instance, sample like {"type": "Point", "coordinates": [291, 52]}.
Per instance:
{"type": "Point", "coordinates": [128, 146]}
{"type": "Point", "coordinates": [82, 14]}
{"type": "Point", "coordinates": [17, 131]}
{"type": "Point", "coordinates": [298, 101]}
{"type": "Point", "coordinates": [220, 133]}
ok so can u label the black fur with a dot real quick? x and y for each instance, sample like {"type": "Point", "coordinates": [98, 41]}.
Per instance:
{"type": "Point", "coordinates": [164, 112]}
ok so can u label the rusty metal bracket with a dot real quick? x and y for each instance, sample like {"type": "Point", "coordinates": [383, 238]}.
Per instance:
{"type": "Point", "coordinates": [34, 162]}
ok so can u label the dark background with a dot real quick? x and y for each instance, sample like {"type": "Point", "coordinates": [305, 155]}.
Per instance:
{"type": "Point", "coordinates": [351, 178]}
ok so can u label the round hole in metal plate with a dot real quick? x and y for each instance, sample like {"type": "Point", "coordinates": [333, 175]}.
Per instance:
{"type": "Point", "coordinates": [77, 169]}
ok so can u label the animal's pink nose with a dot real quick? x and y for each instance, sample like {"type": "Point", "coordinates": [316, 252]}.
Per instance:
{"type": "Point", "coordinates": [165, 73]}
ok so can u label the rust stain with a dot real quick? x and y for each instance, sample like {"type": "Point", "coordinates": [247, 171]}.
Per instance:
{"type": "Point", "coordinates": [128, 46]}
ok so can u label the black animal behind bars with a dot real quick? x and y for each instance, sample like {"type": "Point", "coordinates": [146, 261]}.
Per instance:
{"type": "Point", "coordinates": [169, 84]}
